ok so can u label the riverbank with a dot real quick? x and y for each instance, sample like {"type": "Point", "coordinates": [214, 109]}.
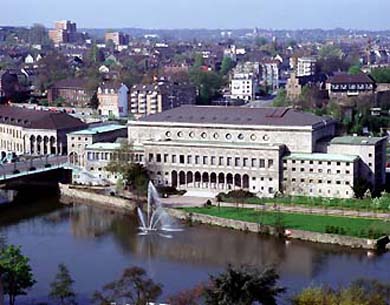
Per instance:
{"type": "Point", "coordinates": [244, 221]}
{"type": "Point", "coordinates": [200, 215]}
{"type": "Point", "coordinates": [77, 194]}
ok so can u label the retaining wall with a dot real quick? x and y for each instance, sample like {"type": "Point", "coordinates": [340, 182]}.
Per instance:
{"type": "Point", "coordinates": [352, 242]}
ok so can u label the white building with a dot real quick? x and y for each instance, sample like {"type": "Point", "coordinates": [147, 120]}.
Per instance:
{"type": "Point", "coordinates": [113, 100]}
{"type": "Point", "coordinates": [243, 86]}
{"type": "Point", "coordinates": [306, 66]}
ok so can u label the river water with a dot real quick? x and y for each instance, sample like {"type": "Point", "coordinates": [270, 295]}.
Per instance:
{"type": "Point", "coordinates": [97, 244]}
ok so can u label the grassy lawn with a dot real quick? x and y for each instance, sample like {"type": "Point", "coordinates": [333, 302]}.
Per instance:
{"type": "Point", "coordinates": [358, 227]}
{"type": "Point", "coordinates": [351, 204]}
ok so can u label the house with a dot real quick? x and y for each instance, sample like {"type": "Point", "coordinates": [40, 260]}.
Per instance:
{"type": "Point", "coordinates": [342, 85]}
{"type": "Point", "coordinates": [113, 99]}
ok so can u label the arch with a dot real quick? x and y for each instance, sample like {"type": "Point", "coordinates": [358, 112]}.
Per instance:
{"type": "Point", "coordinates": [73, 158]}
{"type": "Point", "coordinates": [205, 177]}
{"type": "Point", "coordinates": [190, 177]}
{"type": "Point", "coordinates": [39, 142]}
{"type": "Point", "coordinates": [221, 178]}
{"type": "Point", "coordinates": [198, 177]}
{"type": "Point", "coordinates": [45, 145]}
{"type": "Point", "coordinates": [182, 178]}
{"type": "Point", "coordinates": [229, 179]}
{"type": "Point", "coordinates": [174, 178]}
{"type": "Point", "coordinates": [52, 145]}
{"type": "Point", "coordinates": [32, 144]}
{"type": "Point", "coordinates": [213, 178]}
{"type": "Point", "coordinates": [237, 180]}
{"type": "Point", "coordinates": [245, 181]}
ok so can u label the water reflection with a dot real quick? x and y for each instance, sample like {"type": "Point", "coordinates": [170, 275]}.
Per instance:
{"type": "Point", "coordinates": [97, 244]}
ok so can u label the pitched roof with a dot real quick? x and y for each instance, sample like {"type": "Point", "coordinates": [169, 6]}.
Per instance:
{"type": "Point", "coordinates": [342, 78]}
{"type": "Point", "coordinates": [237, 116]}
{"type": "Point", "coordinates": [38, 119]}
{"type": "Point", "coordinates": [71, 83]}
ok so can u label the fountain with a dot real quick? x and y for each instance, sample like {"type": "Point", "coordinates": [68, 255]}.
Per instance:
{"type": "Point", "coordinates": [155, 219]}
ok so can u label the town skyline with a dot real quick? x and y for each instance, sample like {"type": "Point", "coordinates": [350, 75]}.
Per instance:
{"type": "Point", "coordinates": [221, 14]}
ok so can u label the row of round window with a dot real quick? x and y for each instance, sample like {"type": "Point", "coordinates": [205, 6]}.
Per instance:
{"type": "Point", "coordinates": [216, 136]}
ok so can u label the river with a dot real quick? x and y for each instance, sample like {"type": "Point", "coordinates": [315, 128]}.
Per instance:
{"type": "Point", "coordinates": [97, 244]}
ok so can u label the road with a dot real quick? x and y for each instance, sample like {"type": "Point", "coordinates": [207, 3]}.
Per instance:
{"type": "Point", "coordinates": [32, 164]}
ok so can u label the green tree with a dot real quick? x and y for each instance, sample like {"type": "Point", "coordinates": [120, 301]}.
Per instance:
{"type": "Point", "coordinates": [281, 99]}
{"type": "Point", "coordinates": [198, 60]}
{"type": "Point", "coordinates": [360, 187]}
{"type": "Point", "coordinates": [227, 65]}
{"type": "Point", "coordinates": [17, 275]}
{"type": "Point", "coordinates": [134, 287]}
{"type": "Point", "coordinates": [381, 75]}
{"type": "Point", "coordinates": [208, 84]}
{"type": "Point", "coordinates": [244, 286]}
{"type": "Point", "coordinates": [354, 70]}
{"type": "Point", "coordinates": [61, 287]}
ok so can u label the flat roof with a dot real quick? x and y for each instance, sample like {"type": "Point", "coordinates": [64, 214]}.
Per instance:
{"type": "Point", "coordinates": [99, 129]}
{"type": "Point", "coordinates": [352, 140]}
{"type": "Point", "coordinates": [104, 146]}
{"type": "Point", "coordinates": [321, 157]}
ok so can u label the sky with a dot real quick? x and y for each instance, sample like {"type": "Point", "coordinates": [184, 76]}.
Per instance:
{"type": "Point", "coordinates": [213, 14]}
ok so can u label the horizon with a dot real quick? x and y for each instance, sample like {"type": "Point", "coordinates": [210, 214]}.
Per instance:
{"type": "Point", "coordinates": [186, 14]}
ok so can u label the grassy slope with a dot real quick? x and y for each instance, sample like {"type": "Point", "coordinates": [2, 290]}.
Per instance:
{"type": "Point", "coordinates": [358, 227]}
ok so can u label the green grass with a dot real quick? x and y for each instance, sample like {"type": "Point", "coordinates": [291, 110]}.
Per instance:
{"type": "Point", "coordinates": [350, 204]}
{"type": "Point", "coordinates": [357, 227]}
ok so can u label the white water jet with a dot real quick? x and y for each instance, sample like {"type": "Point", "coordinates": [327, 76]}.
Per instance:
{"type": "Point", "coordinates": [155, 219]}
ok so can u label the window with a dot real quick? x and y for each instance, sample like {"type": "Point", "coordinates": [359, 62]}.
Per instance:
{"type": "Point", "coordinates": [347, 172]}
{"type": "Point", "coordinates": [241, 136]}
{"type": "Point", "coordinates": [229, 161]}
{"type": "Point", "coordinates": [173, 158]}
{"type": "Point", "coordinates": [370, 155]}
{"type": "Point", "coordinates": [261, 163]}
{"type": "Point", "coordinates": [205, 160]}
{"type": "Point", "coordinates": [189, 159]}
{"type": "Point", "coordinates": [228, 136]}
{"type": "Point", "coordinates": [270, 163]}
{"type": "Point", "coordinates": [181, 159]}
{"type": "Point", "coordinates": [158, 158]}
{"type": "Point", "coordinates": [180, 134]}
{"type": "Point", "coordinates": [220, 162]}
{"type": "Point", "coordinates": [150, 157]}
{"type": "Point", "coordinates": [302, 169]}
{"type": "Point", "coordinates": [237, 161]}
{"type": "Point", "coordinates": [329, 171]}
{"type": "Point", "coordinates": [203, 135]}
{"type": "Point", "coordinates": [168, 134]}
{"type": "Point", "coordinates": [166, 158]}
{"type": "Point", "coordinates": [192, 134]}
{"type": "Point", "coordinates": [197, 159]}
{"type": "Point", "coordinates": [212, 160]}
{"type": "Point", "coordinates": [245, 162]}
{"type": "Point", "coordinates": [294, 169]}
{"type": "Point", "coordinates": [253, 162]}
{"type": "Point", "coordinates": [338, 163]}
{"type": "Point", "coordinates": [302, 180]}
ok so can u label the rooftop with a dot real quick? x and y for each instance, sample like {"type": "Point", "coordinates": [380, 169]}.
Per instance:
{"type": "Point", "coordinates": [342, 78]}
{"type": "Point", "coordinates": [104, 146]}
{"type": "Point", "coordinates": [352, 140]}
{"type": "Point", "coordinates": [99, 129]}
{"type": "Point", "coordinates": [38, 119]}
{"type": "Point", "coordinates": [321, 157]}
{"type": "Point", "coordinates": [238, 116]}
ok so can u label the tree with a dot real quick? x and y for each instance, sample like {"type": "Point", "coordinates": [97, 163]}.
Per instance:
{"type": "Point", "coordinates": [134, 287]}
{"type": "Point", "coordinates": [281, 99]}
{"type": "Point", "coordinates": [381, 75]}
{"type": "Point", "coordinates": [17, 276]}
{"type": "Point", "coordinates": [354, 70]}
{"type": "Point", "coordinates": [227, 65]}
{"type": "Point", "coordinates": [208, 84]}
{"type": "Point", "coordinates": [188, 297]}
{"type": "Point", "coordinates": [360, 187]}
{"type": "Point", "coordinates": [244, 286]}
{"type": "Point", "coordinates": [361, 292]}
{"type": "Point", "coordinates": [61, 287]}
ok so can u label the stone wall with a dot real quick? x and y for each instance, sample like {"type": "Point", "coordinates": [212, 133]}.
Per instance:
{"type": "Point", "coordinates": [352, 242]}
{"type": "Point", "coordinates": [70, 194]}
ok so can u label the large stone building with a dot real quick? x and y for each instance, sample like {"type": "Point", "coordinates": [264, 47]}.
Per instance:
{"type": "Point", "coordinates": [262, 150]}
{"type": "Point", "coordinates": [34, 132]}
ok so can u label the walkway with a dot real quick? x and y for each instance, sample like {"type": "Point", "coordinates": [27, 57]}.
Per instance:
{"type": "Point", "coordinates": [179, 201]}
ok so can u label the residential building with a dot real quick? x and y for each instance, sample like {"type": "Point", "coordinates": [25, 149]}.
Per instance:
{"type": "Point", "coordinates": [306, 66]}
{"type": "Point", "coordinates": [71, 93]}
{"type": "Point", "coordinates": [79, 140]}
{"type": "Point", "coordinates": [151, 99]}
{"type": "Point", "coordinates": [118, 38]}
{"type": "Point", "coordinates": [342, 85]}
{"type": "Point", "coordinates": [243, 86]}
{"type": "Point", "coordinates": [64, 31]}
{"type": "Point", "coordinates": [270, 75]}
{"type": "Point", "coordinates": [113, 99]}
{"type": "Point", "coordinates": [35, 132]}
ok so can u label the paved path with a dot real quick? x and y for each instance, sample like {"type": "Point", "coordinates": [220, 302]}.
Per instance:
{"type": "Point", "coordinates": [178, 201]}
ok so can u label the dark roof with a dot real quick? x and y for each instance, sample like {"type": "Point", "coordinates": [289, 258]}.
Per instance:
{"type": "Point", "coordinates": [73, 83]}
{"type": "Point", "coordinates": [38, 119]}
{"type": "Point", "coordinates": [237, 116]}
{"type": "Point", "coordinates": [342, 78]}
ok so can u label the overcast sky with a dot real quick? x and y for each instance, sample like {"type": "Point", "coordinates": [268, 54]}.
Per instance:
{"type": "Point", "coordinates": [276, 14]}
